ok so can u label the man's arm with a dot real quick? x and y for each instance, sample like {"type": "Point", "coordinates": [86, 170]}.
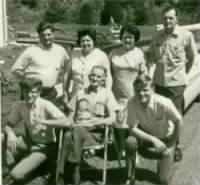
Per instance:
{"type": "Point", "coordinates": [67, 82]}
{"type": "Point", "coordinates": [56, 122]}
{"type": "Point", "coordinates": [19, 66]}
{"type": "Point", "coordinates": [191, 52]}
{"type": "Point", "coordinates": [11, 137]}
{"type": "Point", "coordinates": [158, 144]}
{"type": "Point", "coordinates": [104, 121]}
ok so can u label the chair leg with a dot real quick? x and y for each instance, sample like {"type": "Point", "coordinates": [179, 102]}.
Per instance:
{"type": "Point", "coordinates": [116, 148]}
{"type": "Point", "coordinates": [105, 155]}
{"type": "Point", "coordinates": [59, 153]}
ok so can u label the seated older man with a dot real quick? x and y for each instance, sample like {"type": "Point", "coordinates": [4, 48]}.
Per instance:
{"type": "Point", "coordinates": [90, 108]}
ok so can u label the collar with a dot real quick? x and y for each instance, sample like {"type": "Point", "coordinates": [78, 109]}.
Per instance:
{"type": "Point", "coordinates": [44, 48]}
{"type": "Point", "coordinates": [174, 33]}
{"type": "Point", "coordinates": [34, 105]}
{"type": "Point", "coordinates": [90, 90]}
{"type": "Point", "coordinates": [150, 104]}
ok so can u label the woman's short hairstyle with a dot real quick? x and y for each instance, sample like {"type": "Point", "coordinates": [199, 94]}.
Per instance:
{"type": "Point", "coordinates": [91, 32]}
{"type": "Point", "coordinates": [132, 29]}
{"type": "Point", "coordinates": [142, 80]}
{"type": "Point", "coordinates": [28, 84]}
{"type": "Point", "coordinates": [43, 26]}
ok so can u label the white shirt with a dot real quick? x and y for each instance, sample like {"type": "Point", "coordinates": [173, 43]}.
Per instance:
{"type": "Point", "coordinates": [155, 119]}
{"type": "Point", "coordinates": [42, 109]}
{"type": "Point", "coordinates": [41, 63]}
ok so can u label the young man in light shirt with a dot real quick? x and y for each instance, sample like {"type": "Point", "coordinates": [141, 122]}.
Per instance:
{"type": "Point", "coordinates": [43, 61]}
{"type": "Point", "coordinates": [40, 117]}
{"type": "Point", "coordinates": [155, 126]}
{"type": "Point", "coordinates": [90, 108]}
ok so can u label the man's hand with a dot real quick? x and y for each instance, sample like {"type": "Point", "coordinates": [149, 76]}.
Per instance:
{"type": "Point", "coordinates": [159, 145]}
{"type": "Point", "coordinates": [12, 141]}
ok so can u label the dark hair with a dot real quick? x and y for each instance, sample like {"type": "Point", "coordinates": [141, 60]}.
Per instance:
{"type": "Point", "coordinates": [168, 8]}
{"type": "Point", "coordinates": [28, 84]}
{"type": "Point", "coordinates": [91, 32]}
{"type": "Point", "coordinates": [45, 25]}
{"type": "Point", "coordinates": [142, 80]}
{"type": "Point", "coordinates": [130, 28]}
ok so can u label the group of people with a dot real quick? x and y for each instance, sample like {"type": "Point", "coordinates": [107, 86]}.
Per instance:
{"type": "Point", "coordinates": [114, 90]}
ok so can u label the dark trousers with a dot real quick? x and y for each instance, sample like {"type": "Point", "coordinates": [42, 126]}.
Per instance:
{"type": "Point", "coordinates": [175, 93]}
{"type": "Point", "coordinates": [147, 150]}
{"type": "Point", "coordinates": [73, 143]}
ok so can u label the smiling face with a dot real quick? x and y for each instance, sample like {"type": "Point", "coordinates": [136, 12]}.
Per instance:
{"type": "Point", "coordinates": [87, 44]}
{"type": "Point", "coordinates": [143, 93]}
{"type": "Point", "coordinates": [170, 20]}
{"type": "Point", "coordinates": [96, 77]}
{"type": "Point", "coordinates": [30, 95]}
{"type": "Point", "coordinates": [128, 40]}
{"type": "Point", "coordinates": [46, 38]}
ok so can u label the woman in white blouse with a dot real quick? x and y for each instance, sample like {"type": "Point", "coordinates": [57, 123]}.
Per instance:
{"type": "Point", "coordinates": [83, 60]}
{"type": "Point", "coordinates": [126, 63]}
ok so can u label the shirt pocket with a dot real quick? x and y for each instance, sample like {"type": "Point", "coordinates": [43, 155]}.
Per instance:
{"type": "Point", "coordinates": [178, 52]}
{"type": "Point", "coordinates": [99, 108]}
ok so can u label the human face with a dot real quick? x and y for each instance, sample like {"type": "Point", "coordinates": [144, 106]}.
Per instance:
{"type": "Point", "coordinates": [143, 93]}
{"type": "Point", "coordinates": [96, 77]}
{"type": "Point", "coordinates": [128, 40]}
{"type": "Point", "coordinates": [30, 96]}
{"type": "Point", "coordinates": [46, 38]}
{"type": "Point", "coordinates": [87, 44]}
{"type": "Point", "coordinates": [170, 20]}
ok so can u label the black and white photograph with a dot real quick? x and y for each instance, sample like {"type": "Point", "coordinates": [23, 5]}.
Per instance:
{"type": "Point", "coordinates": [103, 92]}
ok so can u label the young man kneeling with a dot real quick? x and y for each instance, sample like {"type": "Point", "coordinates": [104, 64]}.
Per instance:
{"type": "Point", "coordinates": [90, 109]}
{"type": "Point", "coordinates": [154, 128]}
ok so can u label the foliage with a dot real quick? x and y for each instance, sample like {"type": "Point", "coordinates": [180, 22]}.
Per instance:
{"type": "Point", "coordinates": [139, 12]}
{"type": "Point", "coordinates": [116, 13]}
{"type": "Point", "coordinates": [86, 14]}
{"type": "Point", "coordinates": [30, 3]}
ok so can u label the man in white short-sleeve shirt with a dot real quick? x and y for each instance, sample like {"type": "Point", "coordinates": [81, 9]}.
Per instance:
{"type": "Point", "coordinates": [154, 124]}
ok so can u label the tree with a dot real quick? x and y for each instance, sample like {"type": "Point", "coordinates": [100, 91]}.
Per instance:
{"type": "Point", "coordinates": [117, 12]}
{"type": "Point", "coordinates": [86, 14]}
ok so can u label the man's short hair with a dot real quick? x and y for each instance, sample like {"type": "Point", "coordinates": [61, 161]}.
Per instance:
{"type": "Point", "coordinates": [142, 80]}
{"type": "Point", "coordinates": [28, 84]}
{"type": "Point", "coordinates": [168, 8]}
{"type": "Point", "coordinates": [100, 67]}
{"type": "Point", "coordinates": [43, 26]}
{"type": "Point", "coordinates": [91, 32]}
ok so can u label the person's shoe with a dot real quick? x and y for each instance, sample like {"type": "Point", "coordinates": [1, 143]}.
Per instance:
{"type": "Point", "coordinates": [178, 154]}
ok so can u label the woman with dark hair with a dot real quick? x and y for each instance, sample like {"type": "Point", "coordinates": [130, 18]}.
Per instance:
{"type": "Point", "coordinates": [126, 63]}
{"type": "Point", "coordinates": [83, 60]}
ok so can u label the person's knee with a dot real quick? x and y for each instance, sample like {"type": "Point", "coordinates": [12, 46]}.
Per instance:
{"type": "Point", "coordinates": [163, 180]}
{"type": "Point", "coordinates": [17, 175]}
{"type": "Point", "coordinates": [67, 135]}
{"type": "Point", "coordinates": [131, 144]}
